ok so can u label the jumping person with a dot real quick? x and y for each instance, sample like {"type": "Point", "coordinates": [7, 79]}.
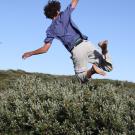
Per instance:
{"type": "Point", "coordinates": [82, 51]}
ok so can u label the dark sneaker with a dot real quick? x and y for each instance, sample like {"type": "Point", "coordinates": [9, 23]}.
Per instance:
{"type": "Point", "coordinates": [103, 46]}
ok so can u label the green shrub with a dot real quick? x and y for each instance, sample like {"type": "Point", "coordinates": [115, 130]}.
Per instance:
{"type": "Point", "coordinates": [65, 107]}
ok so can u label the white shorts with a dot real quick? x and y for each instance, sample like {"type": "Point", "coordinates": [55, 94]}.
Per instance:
{"type": "Point", "coordinates": [85, 53]}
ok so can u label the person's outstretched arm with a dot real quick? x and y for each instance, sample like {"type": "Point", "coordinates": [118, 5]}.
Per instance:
{"type": "Point", "coordinates": [74, 3]}
{"type": "Point", "coordinates": [41, 50]}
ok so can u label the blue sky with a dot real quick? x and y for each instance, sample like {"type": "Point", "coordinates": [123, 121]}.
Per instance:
{"type": "Point", "coordinates": [23, 26]}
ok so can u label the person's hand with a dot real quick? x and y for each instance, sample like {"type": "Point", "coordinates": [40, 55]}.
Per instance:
{"type": "Point", "coordinates": [26, 55]}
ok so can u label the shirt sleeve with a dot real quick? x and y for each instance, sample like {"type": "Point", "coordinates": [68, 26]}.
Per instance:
{"type": "Point", "coordinates": [68, 10]}
{"type": "Point", "coordinates": [49, 36]}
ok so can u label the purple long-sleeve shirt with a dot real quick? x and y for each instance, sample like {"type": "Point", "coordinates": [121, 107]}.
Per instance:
{"type": "Point", "coordinates": [64, 29]}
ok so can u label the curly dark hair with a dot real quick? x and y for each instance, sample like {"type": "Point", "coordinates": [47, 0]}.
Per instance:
{"type": "Point", "coordinates": [52, 8]}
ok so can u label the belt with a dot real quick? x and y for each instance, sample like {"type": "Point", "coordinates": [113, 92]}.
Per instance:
{"type": "Point", "coordinates": [77, 42]}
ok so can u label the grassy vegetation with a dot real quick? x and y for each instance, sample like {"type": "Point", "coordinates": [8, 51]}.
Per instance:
{"type": "Point", "coordinates": [33, 103]}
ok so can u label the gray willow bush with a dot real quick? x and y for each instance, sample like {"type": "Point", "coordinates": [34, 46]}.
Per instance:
{"type": "Point", "coordinates": [65, 107]}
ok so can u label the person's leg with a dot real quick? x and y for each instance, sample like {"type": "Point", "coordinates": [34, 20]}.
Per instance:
{"type": "Point", "coordinates": [80, 60]}
{"type": "Point", "coordinates": [95, 70]}
{"type": "Point", "coordinates": [81, 56]}
{"type": "Point", "coordinates": [106, 64]}
{"type": "Point", "coordinates": [95, 58]}
{"type": "Point", "coordinates": [85, 76]}
{"type": "Point", "coordinates": [103, 46]}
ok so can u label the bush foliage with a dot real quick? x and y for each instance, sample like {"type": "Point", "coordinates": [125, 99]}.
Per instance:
{"type": "Point", "coordinates": [62, 106]}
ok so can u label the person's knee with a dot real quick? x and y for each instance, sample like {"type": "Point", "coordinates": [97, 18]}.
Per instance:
{"type": "Point", "coordinates": [82, 77]}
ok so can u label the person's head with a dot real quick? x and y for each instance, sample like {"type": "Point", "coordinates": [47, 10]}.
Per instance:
{"type": "Point", "coordinates": [52, 9]}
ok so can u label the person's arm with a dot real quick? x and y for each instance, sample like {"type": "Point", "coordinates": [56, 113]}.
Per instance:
{"type": "Point", "coordinates": [74, 3]}
{"type": "Point", "coordinates": [41, 50]}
